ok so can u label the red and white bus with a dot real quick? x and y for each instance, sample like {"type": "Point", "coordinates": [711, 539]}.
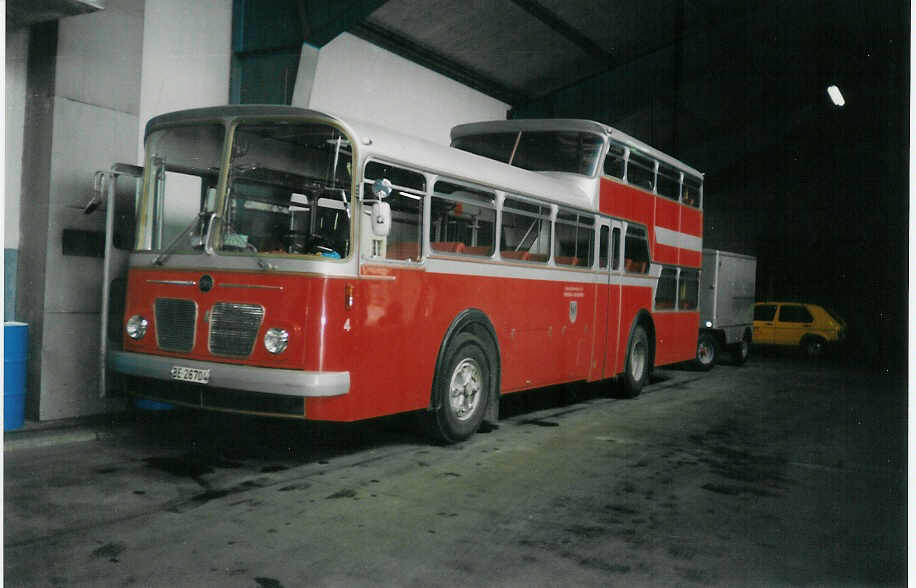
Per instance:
{"type": "Point", "coordinates": [293, 263]}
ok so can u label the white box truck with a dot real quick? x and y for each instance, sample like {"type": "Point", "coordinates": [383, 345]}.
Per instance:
{"type": "Point", "coordinates": [727, 285]}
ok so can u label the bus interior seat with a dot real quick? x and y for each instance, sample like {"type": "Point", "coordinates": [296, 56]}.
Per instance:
{"type": "Point", "coordinates": [510, 254]}
{"type": "Point", "coordinates": [447, 246]}
{"type": "Point", "coordinates": [403, 250]}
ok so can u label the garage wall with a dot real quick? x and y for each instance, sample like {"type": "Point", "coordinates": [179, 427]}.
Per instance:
{"type": "Point", "coordinates": [186, 57]}
{"type": "Point", "coordinates": [89, 121]}
{"type": "Point", "coordinates": [358, 79]}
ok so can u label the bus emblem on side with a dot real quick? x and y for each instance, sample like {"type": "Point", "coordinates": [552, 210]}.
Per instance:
{"type": "Point", "coordinates": [206, 283]}
{"type": "Point", "coordinates": [573, 310]}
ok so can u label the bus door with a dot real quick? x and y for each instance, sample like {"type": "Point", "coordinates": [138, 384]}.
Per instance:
{"type": "Point", "coordinates": [119, 191]}
{"type": "Point", "coordinates": [610, 261]}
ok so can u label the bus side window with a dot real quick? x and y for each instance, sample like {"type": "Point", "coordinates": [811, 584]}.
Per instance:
{"type": "Point", "coordinates": [406, 200]}
{"type": "Point", "coordinates": [641, 171]}
{"type": "Point", "coordinates": [462, 220]}
{"type": "Point", "coordinates": [525, 231]}
{"type": "Point", "coordinates": [636, 251]}
{"type": "Point", "coordinates": [575, 239]}
{"type": "Point", "coordinates": [669, 180]}
{"type": "Point", "coordinates": [666, 290]}
{"type": "Point", "coordinates": [691, 194]}
{"type": "Point", "coordinates": [615, 162]}
{"type": "Point", "coordinates": [688, 289]}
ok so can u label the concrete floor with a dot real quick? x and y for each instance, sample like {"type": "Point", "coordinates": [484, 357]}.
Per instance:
{"type": "Point", "coordinates": [780, 472]}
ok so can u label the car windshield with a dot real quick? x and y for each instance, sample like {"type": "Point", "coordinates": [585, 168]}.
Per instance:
{"type": "Point", "coordinates": [289, 191]}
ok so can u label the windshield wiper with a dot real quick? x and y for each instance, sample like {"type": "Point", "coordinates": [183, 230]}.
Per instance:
{"type": "Point", "coordinates": [203, 217]}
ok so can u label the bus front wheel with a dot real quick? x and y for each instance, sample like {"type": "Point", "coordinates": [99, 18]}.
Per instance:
{"type": "Point", "coordinates": [461, 389]}
{"type": "Point", "coordinates": [636, 372]}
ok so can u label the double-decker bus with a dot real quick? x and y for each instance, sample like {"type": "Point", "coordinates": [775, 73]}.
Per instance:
{"type": "Point", "coordinates": [292, 263]}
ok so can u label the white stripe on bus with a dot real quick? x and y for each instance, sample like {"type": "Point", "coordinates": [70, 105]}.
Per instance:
{"type": "Point", "coordinates": [677, 239]}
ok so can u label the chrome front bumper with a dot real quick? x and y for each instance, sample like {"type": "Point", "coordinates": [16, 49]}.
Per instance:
{"type": "Point", "coordinates": [293, 383]}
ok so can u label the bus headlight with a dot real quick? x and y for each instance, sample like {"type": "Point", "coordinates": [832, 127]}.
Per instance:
{"type": "Point", "coordinates": [276, 340]}
{"type": "Point", "coordinates": [136, 327]}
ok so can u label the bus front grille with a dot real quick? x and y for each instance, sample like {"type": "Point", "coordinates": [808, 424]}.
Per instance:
{"type": "Point", "coordinates": [234, 328]}
{"type": "Point", "coordinates": [175, 320]}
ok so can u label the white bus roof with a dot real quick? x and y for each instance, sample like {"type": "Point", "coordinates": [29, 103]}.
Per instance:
{"type": "Point", "coordinates": [441, 159]}
{"type": "Point", "coordinates": [372, 140]}
{"type": "Point", "coordinates": [568, 125]}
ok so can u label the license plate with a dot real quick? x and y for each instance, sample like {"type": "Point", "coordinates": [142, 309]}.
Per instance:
{"type": "Point", "coordinates": [188, 374]}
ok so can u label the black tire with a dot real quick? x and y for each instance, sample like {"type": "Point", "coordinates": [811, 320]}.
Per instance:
{"type": "Point", "coordinates": [707, 352]}
{"type": "Point", "coordinates": [638, 364]}
{"type": "Point", "coordinates": [742, 350]}
{"type": "Point", "coordinates": [814, 347]}
{"type": "Point", "coordinates": [461, 390]}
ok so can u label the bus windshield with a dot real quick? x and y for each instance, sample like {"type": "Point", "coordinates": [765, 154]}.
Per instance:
{"type": "Point", "coordinates": [183, 166]}
{"type": "Point", "coordinates": [288, 191]}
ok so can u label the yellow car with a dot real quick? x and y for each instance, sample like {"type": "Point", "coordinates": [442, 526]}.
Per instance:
{"type": "Point", "coordinates": [808, 326]}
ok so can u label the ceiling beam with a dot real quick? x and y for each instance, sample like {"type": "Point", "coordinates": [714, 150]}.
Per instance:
{"type": "Point", "coordinates": [428, 58]}
{"type": "Point", "coordinates": [560, 26]}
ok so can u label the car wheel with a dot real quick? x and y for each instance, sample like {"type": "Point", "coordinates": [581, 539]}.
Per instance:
{"type": "Point", "coordinates": [814, 347]}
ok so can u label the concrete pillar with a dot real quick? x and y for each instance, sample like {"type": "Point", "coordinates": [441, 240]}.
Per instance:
{"type": "Point", "coordinates": [82, 110]}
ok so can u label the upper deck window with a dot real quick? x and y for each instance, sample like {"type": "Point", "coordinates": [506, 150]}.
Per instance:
{"type": "Point", "coordinates": [691, 192]}
{"type": "Point", "coordinates": [498, 146]}
{"type": "Point", "coordinates": [558, 151]}
{"type": "Point", "coordinates": [552, 151]}
{"type": "Point", "coordinates": [669, 181]}
{"type": "Point", "coordinates": [615, 161]}
{"type": "Point", "coordinates": [641, 171]}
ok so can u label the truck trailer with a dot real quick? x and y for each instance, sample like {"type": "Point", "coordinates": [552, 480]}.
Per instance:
{"type": "Point", "coordinates": [727, 286]}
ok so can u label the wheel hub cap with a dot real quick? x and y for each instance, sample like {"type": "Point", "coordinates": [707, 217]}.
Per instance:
{"type": "Point", "coordinates": [464, 388]}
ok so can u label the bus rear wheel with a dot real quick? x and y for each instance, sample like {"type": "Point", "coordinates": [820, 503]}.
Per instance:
{"type": "Point", "coordinates": [636, 372]}
{"type": "Point", "coordinates": [460, 390]}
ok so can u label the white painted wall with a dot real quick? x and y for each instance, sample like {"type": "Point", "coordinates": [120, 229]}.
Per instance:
{"type": "Point", "coordinates": [357, 79]}
{"type": "Point", "coordinates": [17, 45]}
{"type": "Point", "coordinates": [89, 68]}
{"type": "Point", "coordinates": [186, 57]}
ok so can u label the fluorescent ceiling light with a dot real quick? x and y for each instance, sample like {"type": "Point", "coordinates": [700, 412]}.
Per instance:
{"type": "Point", "coordinates": [836, 96]}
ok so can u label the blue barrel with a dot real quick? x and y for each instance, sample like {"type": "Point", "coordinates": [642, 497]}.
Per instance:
{"type": "Point", "coordinates": [147, 404]}
{"type": "Point", "coordinates": [15, 352]}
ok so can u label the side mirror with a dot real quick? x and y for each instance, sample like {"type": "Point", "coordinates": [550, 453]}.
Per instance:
{"type": "Point", "coordinates": [381, 219]}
